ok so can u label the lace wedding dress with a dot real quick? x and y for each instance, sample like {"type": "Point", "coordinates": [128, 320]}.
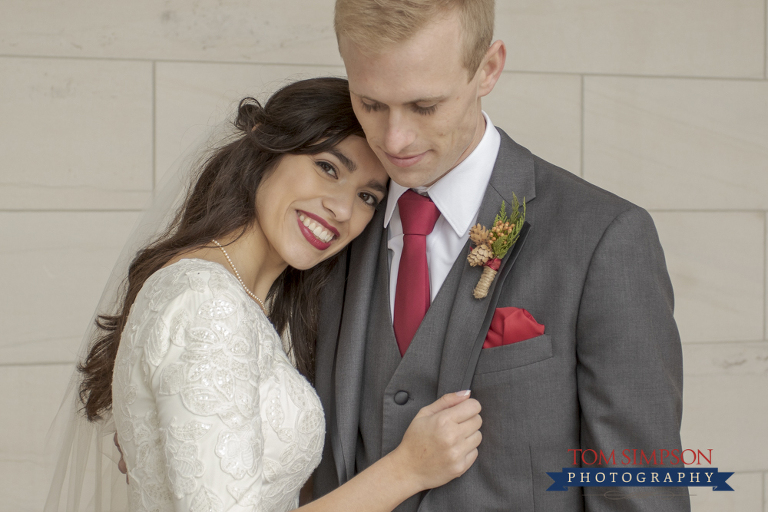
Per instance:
{"type": "Point", "coordinates": [210, 413]}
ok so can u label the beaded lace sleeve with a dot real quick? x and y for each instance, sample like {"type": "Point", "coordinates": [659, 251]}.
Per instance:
{"type": "Point", "coordinates": [186, 393]}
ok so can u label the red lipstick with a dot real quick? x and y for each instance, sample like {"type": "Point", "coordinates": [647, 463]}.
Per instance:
{"type": "Point", "coordinates": [310, 236]}
{"type": "Point", "coordinates": [321, 221]}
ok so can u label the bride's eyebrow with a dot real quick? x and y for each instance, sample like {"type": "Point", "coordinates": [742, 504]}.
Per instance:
{"type": "Point", "coordinates": [352, 166]}
{"type": "Point", "coordinates": [377, 186]}
{"type": "Point", "coordinates": [347, 162]}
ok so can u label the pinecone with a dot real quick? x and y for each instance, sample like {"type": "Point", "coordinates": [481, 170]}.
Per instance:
{"type": "Point", "coordinates": [478, 234]}
{"type": "Point", "coordinates": [480, 255]}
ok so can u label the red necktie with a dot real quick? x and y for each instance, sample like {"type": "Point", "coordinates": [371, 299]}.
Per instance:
{"type": "Point", "coordinates": [418, 214]}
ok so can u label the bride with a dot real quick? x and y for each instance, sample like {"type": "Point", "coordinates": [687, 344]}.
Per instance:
{"type": "Point", "coordinates": [211, 410]}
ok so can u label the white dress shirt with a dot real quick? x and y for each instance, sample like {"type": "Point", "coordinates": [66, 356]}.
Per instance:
{"type": "Point", "coordinates": [458, 195]}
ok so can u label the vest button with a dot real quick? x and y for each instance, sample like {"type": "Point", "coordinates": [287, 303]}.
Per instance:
{"type": "Point", "coordinates": [401, 397]}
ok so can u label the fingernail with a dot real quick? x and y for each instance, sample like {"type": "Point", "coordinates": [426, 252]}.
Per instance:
{"type": "Point", "coordinates": [466, 392]}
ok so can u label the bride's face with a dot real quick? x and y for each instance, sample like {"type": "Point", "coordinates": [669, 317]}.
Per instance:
{"type": "Point", "coordinates": [311, 206]}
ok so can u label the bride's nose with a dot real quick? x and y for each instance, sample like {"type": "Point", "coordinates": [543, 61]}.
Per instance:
{"type": "Point", "coordinates": [340, 204]}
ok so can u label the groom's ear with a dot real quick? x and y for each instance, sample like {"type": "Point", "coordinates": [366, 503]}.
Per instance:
{"type": "Point", "coordinates": [491, 67]}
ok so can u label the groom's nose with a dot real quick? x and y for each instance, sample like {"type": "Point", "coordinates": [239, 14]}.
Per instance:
{"type": "Point", "coordinates": [399, 133]}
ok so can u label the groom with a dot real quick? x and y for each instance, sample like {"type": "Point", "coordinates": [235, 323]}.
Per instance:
{"type": "Point", "coordinates": [574, 347]}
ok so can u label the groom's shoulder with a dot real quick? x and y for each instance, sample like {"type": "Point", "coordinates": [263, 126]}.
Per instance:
{"type": "Point", "coordinates": [575, 203]}
{"type": "Point", "coordinates": [564, 192]}
{"type": "Point", "coordinates": [554, 183]}
{"type": "Point", "coordinates": [565, 201]}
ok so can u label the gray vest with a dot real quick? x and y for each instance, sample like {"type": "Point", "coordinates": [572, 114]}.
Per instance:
{"type": "Point", "coordinates": [394, 387]}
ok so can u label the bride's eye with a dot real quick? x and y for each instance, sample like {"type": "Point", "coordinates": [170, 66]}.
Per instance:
{"type": "Point", "coordinates": [328, 168]}
{"type": "Point", "coordinates": [369, 199]}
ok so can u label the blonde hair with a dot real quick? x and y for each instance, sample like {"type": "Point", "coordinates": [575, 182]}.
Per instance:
{"type": "Point", "coordinates": [373, 25]}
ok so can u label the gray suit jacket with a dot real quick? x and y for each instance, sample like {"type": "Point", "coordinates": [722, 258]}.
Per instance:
{"type": "Point", "coordinates": [606, 375]}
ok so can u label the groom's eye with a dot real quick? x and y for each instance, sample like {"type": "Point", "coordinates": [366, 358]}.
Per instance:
{"type": "Point", "coordinates": [371, 107]}
{"type": "Point", "coordinates": [425, 111]}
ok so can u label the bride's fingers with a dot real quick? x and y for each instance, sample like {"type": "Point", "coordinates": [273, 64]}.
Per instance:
{"type": "Point", "coordinates": [461, 412]}
{"type": "Point", "coordinates": [475, 439]}
{"type": "Point", "coordinates": [471, 425]}
{"type": "Point", "coordinates": [470, 458]}
{"type": "Point", "coordinates": [461, 431]}
{"type": "Point", "coordinates": [121, 466]}
{"type": "Point", "coordinates": [469, 450]}
{"type": "Point", "coordinates": [465, 445]}
{"type": "Point", "coordinates": [446, 401]}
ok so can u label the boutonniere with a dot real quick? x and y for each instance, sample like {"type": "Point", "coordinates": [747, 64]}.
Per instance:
{"type": "Point", "coordinates": [492, 245]}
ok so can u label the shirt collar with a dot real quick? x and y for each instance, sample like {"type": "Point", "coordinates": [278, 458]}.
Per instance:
{"type": "Point", "coordinates": [459, 194]}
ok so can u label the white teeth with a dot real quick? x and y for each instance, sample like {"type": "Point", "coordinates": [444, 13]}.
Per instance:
{"type": "Point", "coordinates": [318, 230]}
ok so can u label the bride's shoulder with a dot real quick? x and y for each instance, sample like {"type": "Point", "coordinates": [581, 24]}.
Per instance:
{"type": "Point", "coordinates": [190, 267]}
{"type": "Point", "coordinates": [188, 281]}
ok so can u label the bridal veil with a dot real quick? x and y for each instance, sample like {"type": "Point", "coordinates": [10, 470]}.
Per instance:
{"type": "Point", "coordinates": [85, 474]}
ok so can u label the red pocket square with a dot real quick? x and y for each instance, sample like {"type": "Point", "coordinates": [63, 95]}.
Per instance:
{"type": "Point", "coordinates": [510, 325]}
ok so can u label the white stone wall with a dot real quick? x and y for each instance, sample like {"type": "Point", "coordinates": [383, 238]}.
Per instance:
{"type": "Point", "coordinates": [664, 103]}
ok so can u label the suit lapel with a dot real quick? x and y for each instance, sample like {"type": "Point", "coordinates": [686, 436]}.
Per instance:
{"type": "Point", "coordinates": [331, 302]}
{"type": "Point", "coordinates": [350, 355]}
{"type": "Point", "coordinates": [477, 345]}
{"type": "Point", "coordinates": [470, 317]}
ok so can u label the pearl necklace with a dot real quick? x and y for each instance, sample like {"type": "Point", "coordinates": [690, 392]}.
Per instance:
{"type": "Point", "coordinates": [237, 275]}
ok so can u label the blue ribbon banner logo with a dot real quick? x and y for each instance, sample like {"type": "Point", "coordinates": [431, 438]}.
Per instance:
{"type": "Point", "coordinates": [640, 477]}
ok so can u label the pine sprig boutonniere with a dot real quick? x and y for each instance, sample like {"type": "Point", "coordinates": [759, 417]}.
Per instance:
{"type": "Point", "coordinates": [492, 245]}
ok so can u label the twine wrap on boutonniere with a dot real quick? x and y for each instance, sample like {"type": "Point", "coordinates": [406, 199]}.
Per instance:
{"type": "Point", "coordinates": [492, 245]}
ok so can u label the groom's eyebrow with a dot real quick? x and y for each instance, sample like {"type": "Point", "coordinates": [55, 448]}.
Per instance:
{"type": "Point", "coordinates": [349, 164]}
{"type": "Point", "coordinates": [429, 99]}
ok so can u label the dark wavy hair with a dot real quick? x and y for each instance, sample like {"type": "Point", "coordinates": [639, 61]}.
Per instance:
{"type": "Point", "coordinates": [304, 117]}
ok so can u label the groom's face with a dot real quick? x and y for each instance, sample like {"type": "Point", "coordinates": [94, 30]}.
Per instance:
{"type": "Point", "coordinates": [415, 100]}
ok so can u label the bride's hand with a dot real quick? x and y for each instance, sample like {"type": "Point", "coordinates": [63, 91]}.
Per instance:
{"type": "Point", "coordinates": [441, 442]}
{"type": "Point", "coordinates": [121, 463]}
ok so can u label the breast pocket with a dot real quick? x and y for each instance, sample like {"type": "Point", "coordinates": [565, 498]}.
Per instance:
{"type": "Point", "coordinates": [514, 355]}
